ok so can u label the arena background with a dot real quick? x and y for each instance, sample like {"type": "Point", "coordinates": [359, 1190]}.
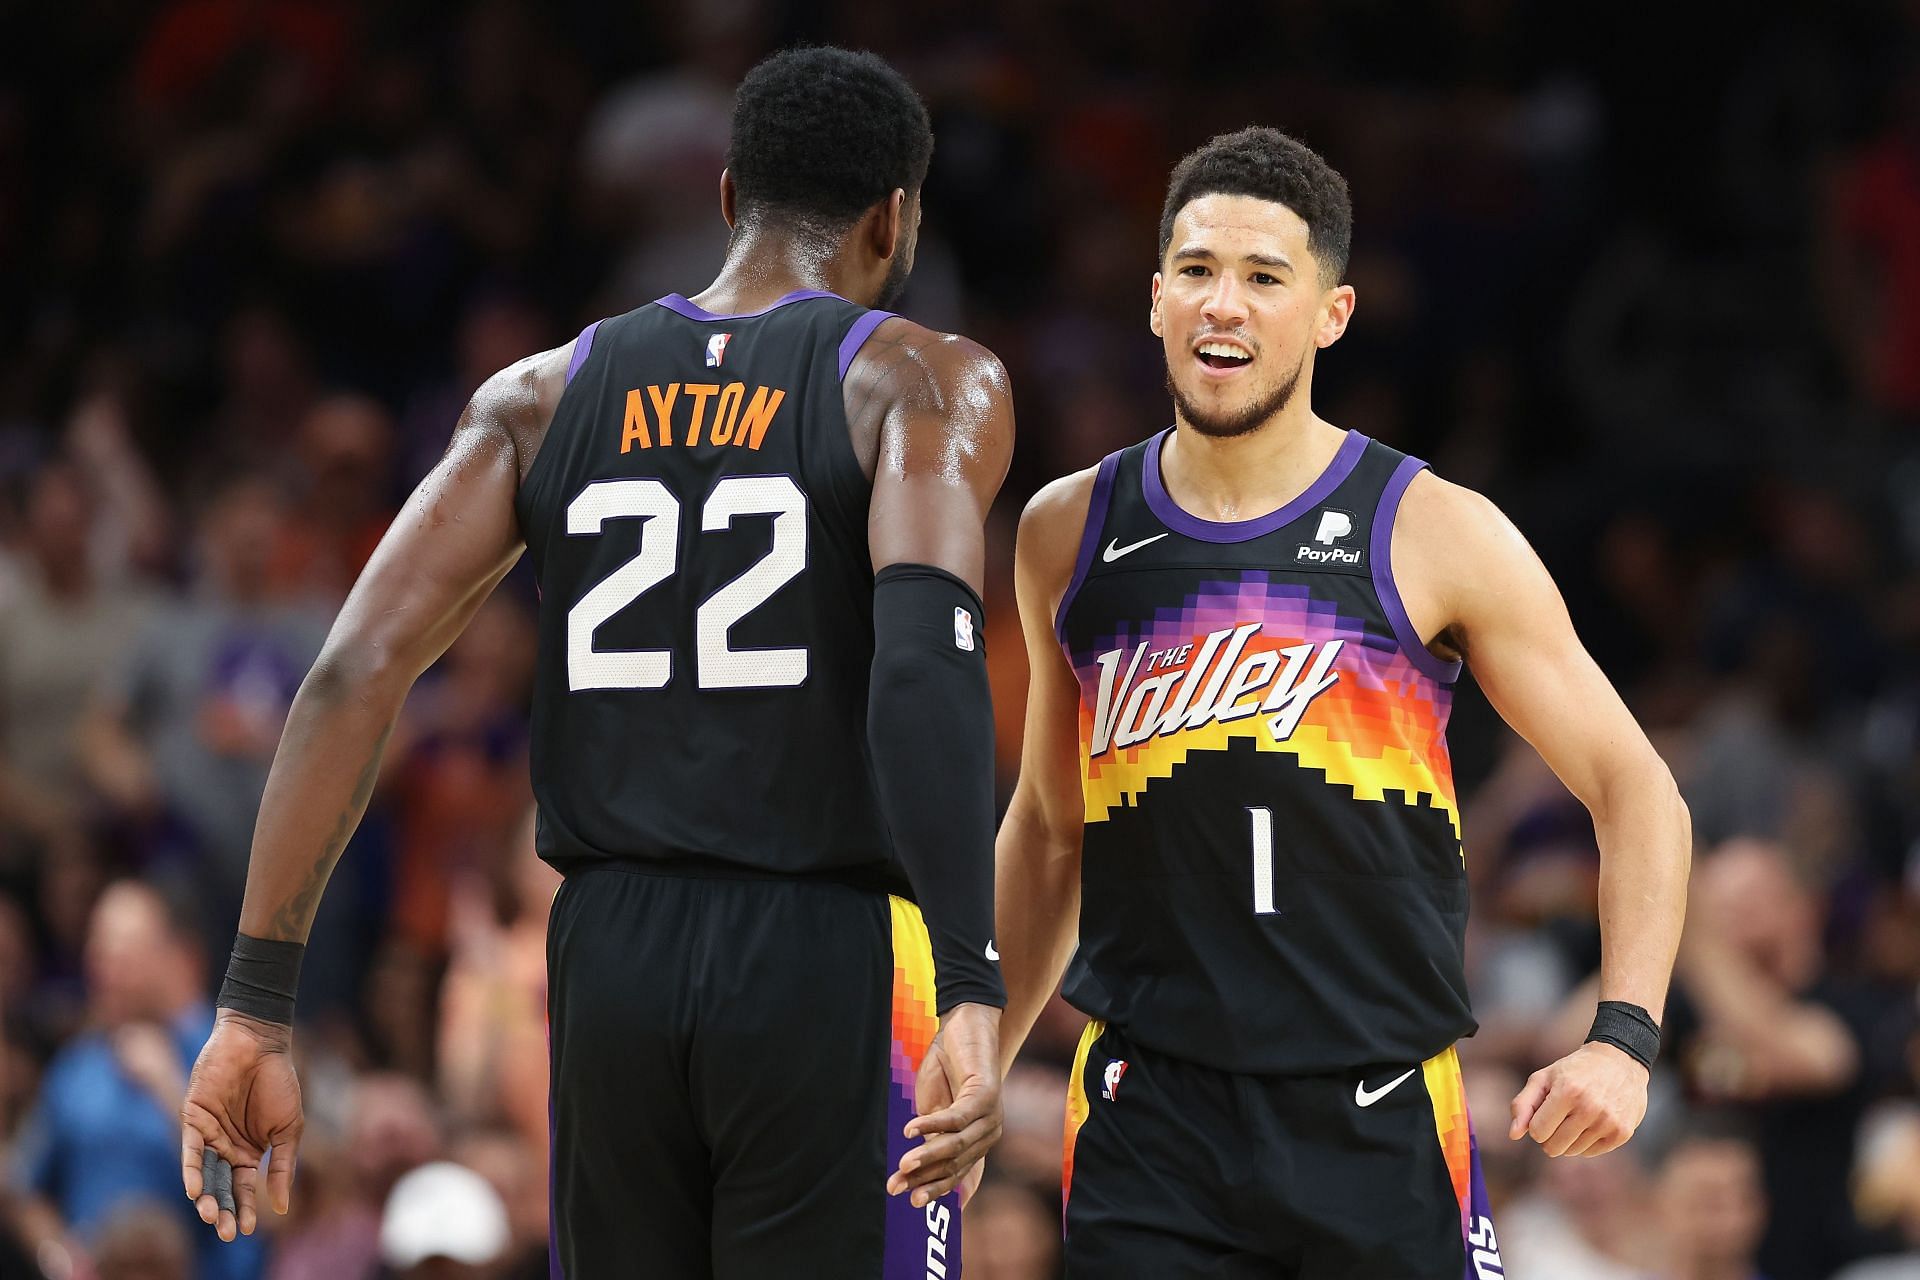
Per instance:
{"type": "Point", "coordinates": [1653, 286]}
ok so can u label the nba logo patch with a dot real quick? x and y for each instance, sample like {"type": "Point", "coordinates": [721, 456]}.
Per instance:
{"type": "Point", "coordinates": [1110, 1079]}
{"type": "Point", "coordinates": [962, 629]}
{"type": "Point", "coordinates": [717, 348]}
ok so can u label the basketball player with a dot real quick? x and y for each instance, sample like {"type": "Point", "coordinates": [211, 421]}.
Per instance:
{"type": "Point", "coordinates": [761, 729]}
{"type": "Point", "coordinates": [1244, 634]}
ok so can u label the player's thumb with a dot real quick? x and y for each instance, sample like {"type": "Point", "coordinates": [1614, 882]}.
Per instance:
{"type": "Point", "coordinates": [281, 1162]}
{"type": "Point", "coordinates": [1526, 1102]}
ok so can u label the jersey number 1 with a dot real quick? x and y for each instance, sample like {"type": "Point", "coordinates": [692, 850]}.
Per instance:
{"type": "Point", "coordinates": [1263, 862]}
{"type": "Point", "coordinates": [718, 665]}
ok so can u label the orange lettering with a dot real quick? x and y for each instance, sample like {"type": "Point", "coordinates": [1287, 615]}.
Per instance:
{"type": "Point", "coordinates": [700, 391]}
{"type": "Point", "coordinates": [727, 412]}
{"type": "Point", "coordinates": [663, 407]}
{"type": "Point", "coordinates": [758, 416]}
{"type": "Point", "coordinates": [636, 428]}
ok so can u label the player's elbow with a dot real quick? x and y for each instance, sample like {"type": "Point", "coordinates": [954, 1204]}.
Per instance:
{"type": "Point", "coordinates": [1640, 783]}
{"type": "Point", "coordinates": [351, 671]}
{"type": "Point", "coordinates": [1042, 829]}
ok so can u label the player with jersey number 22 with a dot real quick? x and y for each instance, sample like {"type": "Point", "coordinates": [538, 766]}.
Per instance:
{"type": "Point", "coordinates": [762, 740]}
{"type": "Point", "coordinates": [1243, 635]}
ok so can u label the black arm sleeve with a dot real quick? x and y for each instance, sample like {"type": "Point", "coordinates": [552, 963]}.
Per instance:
{"type": "Point", "coordinates": [930, 730]}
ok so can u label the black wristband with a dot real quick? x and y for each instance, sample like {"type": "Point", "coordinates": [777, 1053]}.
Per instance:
{"type": "Point", "coordinates": [263, 976]}
{"type": "Point", "coordinates": [1628, 1028]}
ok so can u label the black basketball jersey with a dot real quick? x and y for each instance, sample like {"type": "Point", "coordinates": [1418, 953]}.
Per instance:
{"type": "Point", "coordinates": [1272, 874]}
{"type": "Point", "coordinates": [698, 525]}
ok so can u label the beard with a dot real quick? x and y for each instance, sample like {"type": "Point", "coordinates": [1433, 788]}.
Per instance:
{"type": "Point", "coordinates": [896, 282]}
{"type": "Point", "coordinates": [1226, 424]}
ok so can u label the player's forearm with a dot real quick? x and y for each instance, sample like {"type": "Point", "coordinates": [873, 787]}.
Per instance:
{"type": "Point", "coordinates": [1646, 852]}
{"type": "Point", "coordinates": [1036, 916]}
{"type": "Point", "coordinates": [930, 735]}
{"type": "Point", "coordinates": [322, 777]}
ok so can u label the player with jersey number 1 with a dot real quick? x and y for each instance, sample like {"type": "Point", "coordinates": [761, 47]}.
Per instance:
{"type": "Point", "coordinates": [1243, 635]}
{"type": "Point", "coordinates": [762, 741]}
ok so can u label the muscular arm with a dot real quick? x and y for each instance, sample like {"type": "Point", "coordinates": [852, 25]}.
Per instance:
{"type": "Point", "coordinates": [942, 412]}
{"type": "Point", "coordinates": [1038, 853]}
{"type": "Point", "coordinates": [941, 421]}
{"type": "Point", "coordinates": [439, 561]}
{"type": "Point", "coordinates": [940, 416]}
{"type": "Point", "coordinates": [1463, 568]}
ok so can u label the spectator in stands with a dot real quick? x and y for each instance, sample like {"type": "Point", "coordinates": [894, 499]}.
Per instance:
{"type": "Point", "coordinates": [104, 1131]}
{"type": "Point", "coordinates": [1757, 1021]}
{"type": "Point", "coordinates": [59, 637]}
{"type": "Point", "coordinates": [144, 1241]}
{"type": "Point", "coordinates": [183, 734]}
{"type": "Point", "coordinates": [1711, 1205]}
{"type": "Point", "coordinates": [444, 1222]}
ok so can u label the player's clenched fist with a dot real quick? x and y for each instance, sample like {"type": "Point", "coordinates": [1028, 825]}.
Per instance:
{"type": "Point", "coordinates": [242, 1102]}
{"type": "Point", "coordinates": [1586, 1104]}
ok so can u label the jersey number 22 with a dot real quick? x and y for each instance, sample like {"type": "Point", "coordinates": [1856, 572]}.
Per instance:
{"type": "Point", "coordinates": [717, 666]}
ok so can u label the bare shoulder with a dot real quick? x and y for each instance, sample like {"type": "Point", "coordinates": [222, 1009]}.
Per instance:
{"type": "Point", "coordinates": [929, 403]}
{"type": "Point", "coordinates": [1455, 554]}
{"type": "Point", "coordinates": [905, 360]}
{"type": "Point", "coordinates": [516, 405]}
{"type": "Point", "coordinates": [1051, 527]}
{"type": "Point", "coordinates": [1434, 509]}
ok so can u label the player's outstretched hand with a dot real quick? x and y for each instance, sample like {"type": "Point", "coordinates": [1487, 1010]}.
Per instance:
{"type": "Point", "coordinates": [1586, 1104]}
{"type": "Point", "coordinates": [957, 1097]}
{"type": "Point", "coordinates": [242, 1102]}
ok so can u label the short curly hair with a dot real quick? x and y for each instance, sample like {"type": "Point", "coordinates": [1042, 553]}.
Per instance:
{"type": "Point", "coordinates": [1269, 165]}
{"type": "Point", "coordinates": [820, 135]}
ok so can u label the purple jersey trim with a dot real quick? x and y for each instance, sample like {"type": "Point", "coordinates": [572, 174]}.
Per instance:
{"type": "Point", "coordinates": [1089, 538]}
{"type": "Point", "coordinates": [1161, 503]}
{"type": "Point", "coordinates": [857, 336]}
{"type": "Point", "coordinates": [1381, 553]}
{"type": "Point", "coordinates": [911, 1247]}
{"type": "Point", "coordinates": [675, 302]}
{"type": "Point", "coordinates": [581, 346]}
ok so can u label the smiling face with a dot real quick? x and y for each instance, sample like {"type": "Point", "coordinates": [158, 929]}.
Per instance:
{"type": "Point", "coordinates": [1240, 305]}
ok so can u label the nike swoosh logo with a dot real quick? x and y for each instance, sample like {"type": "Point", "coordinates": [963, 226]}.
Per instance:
{"type": "Point", "coordinates": [991, 953]}
{"type": "Point", "coordinates": [1114, 550]}
{"type": "Point", "coordinates": [1365, 1098]}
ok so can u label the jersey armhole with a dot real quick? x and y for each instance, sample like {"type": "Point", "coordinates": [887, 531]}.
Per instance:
{"type": "Point", "coordinates": [1089, 539]}
{"type": "Point", "coordinates": [1381, 553]}
{"type": "Point", "coordinates": [857, 337]}
{"type": "Point", "coordinates": [537, 469]}
{"type": "Point", "coordinates": [582, 346]}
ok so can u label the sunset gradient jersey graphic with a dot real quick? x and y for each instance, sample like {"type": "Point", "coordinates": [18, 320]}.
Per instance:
{"type": "Point", "coordinates": [1380, 729]}
{"type": "Point", "coordinates": [915, 1016]}
{"type": "Point", "coordinates": [1078, 1108]}
{"type": "Point", "coordinates": [1449, 1095]}
{"type": "Point", "coordinates": [914, 1020]}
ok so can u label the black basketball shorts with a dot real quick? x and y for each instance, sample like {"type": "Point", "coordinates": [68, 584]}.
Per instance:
{"type": "Point", "coordinates": [1175, 1169]}
{"type": "Point", "coordinates": [733, 1063]}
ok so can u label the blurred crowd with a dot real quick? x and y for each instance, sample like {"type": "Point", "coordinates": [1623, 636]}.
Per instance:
{"type": "Point", "coordinates": [1654, 290]}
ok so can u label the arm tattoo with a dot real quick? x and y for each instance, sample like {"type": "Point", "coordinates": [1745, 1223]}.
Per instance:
{"type": "Point", "coordinates": [295, 917]}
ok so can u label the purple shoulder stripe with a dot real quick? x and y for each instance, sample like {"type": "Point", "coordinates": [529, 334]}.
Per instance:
{"type": "Point", "coordinates": [1380, 551]}
{"type": "Point", "coordinates": [1089, 540]}
{"type": "Point", "coordinates": [857, 337]}
{"type": "Point", "coordinates": [581, 346]}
